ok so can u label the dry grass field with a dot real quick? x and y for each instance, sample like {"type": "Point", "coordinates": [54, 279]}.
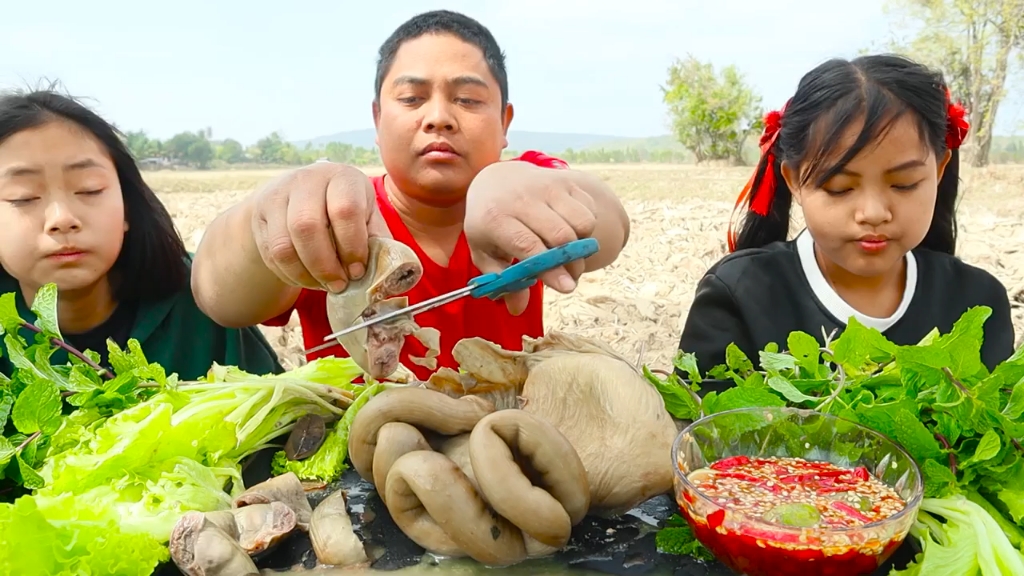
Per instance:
{"type": "Point", "coordinates": [679, 216]}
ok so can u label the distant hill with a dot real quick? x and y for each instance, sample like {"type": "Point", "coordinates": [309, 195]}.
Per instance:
{"type": "Point", "coordinates": [1005, 149]}
{"type": "Point", "coordinates": [519, 140]}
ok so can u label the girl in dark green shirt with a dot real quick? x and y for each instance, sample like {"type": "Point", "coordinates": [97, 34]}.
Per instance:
{"type": "Point", "coordinates": [75, 211]}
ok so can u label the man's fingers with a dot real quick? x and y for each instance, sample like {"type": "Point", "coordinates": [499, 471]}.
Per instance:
{"type": "Point", "coordinates": [577, 210]}
{"type": "Point", "coordinates": [348, 210]}
{"type": "Point", "coordinates": [310, 233]}
{"type": "Point", "coordinates": [376, 227]}
{"type": "Point", "coordinates": [537, 230]}
{"type": "Point", "coordinates": [521, 242]}
{"type": "Point", "coordinates": [516, 302]}
{"type": "Point", "coordinates": [276, 244]}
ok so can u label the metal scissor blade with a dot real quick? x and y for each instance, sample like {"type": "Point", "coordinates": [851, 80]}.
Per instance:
{"type": "Point", "coordinates": [331, 339]}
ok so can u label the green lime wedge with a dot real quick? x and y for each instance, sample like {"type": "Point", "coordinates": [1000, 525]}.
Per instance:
{"type": "Point", "coordinates": [796, 515]}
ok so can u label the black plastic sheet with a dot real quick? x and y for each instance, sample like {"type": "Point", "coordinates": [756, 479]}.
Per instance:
{"type": "Point", "coordinates": [622, 546]}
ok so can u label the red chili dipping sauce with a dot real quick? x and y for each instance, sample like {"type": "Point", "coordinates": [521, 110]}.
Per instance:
{"type": "Point", "coordinates": [817, 506]}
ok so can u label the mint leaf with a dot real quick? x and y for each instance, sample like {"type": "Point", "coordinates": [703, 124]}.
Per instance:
{"type": "Point", "coordinates": [679, 402]}
{"type": "Point", "coordinates": [745, 397]}
{"type": "Point", "coordinates": [37, 408]}
{"type": "Point", "coordinates": [807, 352]}
{"type": "Point", "coordinates": [6, 453]}
{"type": "Point", "coordinates": [915, 438]}
{"type": "Point", "coordinates": [948, 426]}
{"type": "Point", "coordinates": [939, 480]}
{"type": "Point", "coordinates": [6, 403]}
{"type": "Point", "coordinates": [860, 349]}
{"type": "Point", "coordinates": [29, 477]}
{"type": "Point", "coordinates": [1015, 407]}
{"type": "Point", "coordinates": [988, 448]}
{"type": "Point", "coordinates": [782, 386]}
{"type": "Point", "coordinates": [44, 306]}
{"type": "Point", "coordinates": [755, 380]}
{"type": "Point", "coordinates": [776, 362]}
{"type": "Point", "coordinates": [736, 360]}
{"type": "Point", "coordinates": [686, 363]}
{"type": "Point", "coordinates": [10, 321]}
{"type": "Point", "coordinates": [963, 342]}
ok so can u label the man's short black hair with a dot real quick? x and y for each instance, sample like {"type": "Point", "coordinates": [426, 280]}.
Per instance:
{"type": "Point", "coordinates": [444, 22]}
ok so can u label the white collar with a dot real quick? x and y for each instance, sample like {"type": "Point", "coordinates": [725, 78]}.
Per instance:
{"type": "Point", "coordinates": [834, 303]}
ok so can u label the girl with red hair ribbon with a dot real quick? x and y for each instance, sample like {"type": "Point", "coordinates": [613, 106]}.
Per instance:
{"type": "Point", "coordinates": [869, 149]}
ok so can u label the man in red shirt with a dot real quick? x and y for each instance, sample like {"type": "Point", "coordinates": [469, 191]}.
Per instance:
{"type": "Point", "coordinates": [442, 114]}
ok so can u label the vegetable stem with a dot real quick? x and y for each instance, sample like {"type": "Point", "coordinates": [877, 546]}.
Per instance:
{"type": "Point", "coordinates": [842, 381]}
{"type": "Point", "coordinates": [952, 455]}
{"type": "Point", "coordinates": [28, 441]}
{"type": "Point", "coordinates": [957, 383]}
{"type": "Point", "coordinates": [103, 372]}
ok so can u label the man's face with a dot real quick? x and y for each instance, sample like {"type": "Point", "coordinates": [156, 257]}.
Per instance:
{"type": "Point", "coordinates": [440, 119]}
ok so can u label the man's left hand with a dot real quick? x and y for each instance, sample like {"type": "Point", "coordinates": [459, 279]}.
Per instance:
{"type": "Point", "coordinates": [515, 210]}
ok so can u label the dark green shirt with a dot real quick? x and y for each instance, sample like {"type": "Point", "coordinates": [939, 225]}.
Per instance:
{"type": "Point", "coordinates": [172, 332]}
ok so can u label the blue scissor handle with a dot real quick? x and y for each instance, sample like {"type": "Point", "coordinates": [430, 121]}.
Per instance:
{"type": "Point", "coordinates": [522, 275]}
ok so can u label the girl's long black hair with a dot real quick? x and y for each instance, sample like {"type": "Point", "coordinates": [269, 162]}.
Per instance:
{"type": "Point", "coordinates": [878, 89]}
{"type": "Point", "coordinates": [153, 262]}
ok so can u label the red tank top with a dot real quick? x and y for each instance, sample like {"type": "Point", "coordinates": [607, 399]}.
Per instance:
{"type": "Point", "coordinates": [465, 318]}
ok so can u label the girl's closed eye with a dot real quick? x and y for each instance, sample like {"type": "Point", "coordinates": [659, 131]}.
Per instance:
{"type": "Point", "coordinates": [908, 187]}
{"type": "Point", "coordinates": [16, 202]}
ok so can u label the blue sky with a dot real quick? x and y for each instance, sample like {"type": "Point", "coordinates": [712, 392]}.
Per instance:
{"type": "Point", "coordinates": [305, 68]}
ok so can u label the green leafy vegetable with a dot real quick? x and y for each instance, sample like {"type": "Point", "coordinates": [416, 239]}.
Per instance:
{"type": "Point", "coordinates": [677, 538]}
{"type": "Point", "coordinates": [33, 400]}
{"type": "Point", "coordinates": [327, 464]}
{"type": "Point", "coordinates": [179, 450]}
{"type": "Point", "coordinates": [961, 423]}
{"type": "Point", "coordinates": [114, 457]}
{"type": "Point", "coordinates": [74, 540]}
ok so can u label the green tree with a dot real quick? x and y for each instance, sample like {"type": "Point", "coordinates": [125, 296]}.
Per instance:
{"type": "Point", "coordinates": [142, 146]}
{"type": "Point", "coordinates": [712, 114]}
{"type": "Point", "coordinates": [190, 148]}
{"type": "Point", "coordinates": [272, 149]}
{"type": "Point", "coordinates": [974, 43]}
{"type": "Point", "coordinates": [230, 151]}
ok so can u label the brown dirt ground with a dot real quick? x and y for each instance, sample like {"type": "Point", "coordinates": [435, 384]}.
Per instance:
{"type": "Point", "coordinates": [679, 217]}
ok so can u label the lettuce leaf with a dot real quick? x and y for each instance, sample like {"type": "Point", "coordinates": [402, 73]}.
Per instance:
{"type": "Point", "coordinates": [80, 542]}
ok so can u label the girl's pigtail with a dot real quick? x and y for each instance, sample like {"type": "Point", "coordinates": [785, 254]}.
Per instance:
{"type": "Point", "coordinates": [941, 236]}
{"type": "Point", "coordinates": [766, 195]}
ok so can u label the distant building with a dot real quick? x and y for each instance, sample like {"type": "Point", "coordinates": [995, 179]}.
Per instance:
{"type": "Point", "coordinates": [154, 163]}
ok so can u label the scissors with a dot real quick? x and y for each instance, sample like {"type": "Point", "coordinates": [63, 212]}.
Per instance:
{"type": "Point", "coordinates": [518, 276]}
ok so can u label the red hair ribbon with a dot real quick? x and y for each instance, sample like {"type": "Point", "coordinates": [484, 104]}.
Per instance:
{"type": "Point", "coordinates": [957, 125]}
{"type": "Point", "coordinates": [761, 198]}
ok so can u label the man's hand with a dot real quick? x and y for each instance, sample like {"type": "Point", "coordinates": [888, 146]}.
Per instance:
{"type": "Point", "coordinates": [515, 210]}
{"type": "Point", "coordinates": [313, 224]}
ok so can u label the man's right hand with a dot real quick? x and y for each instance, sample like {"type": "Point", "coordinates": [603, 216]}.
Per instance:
{"type": "Point", "coordinates": [312, 225]}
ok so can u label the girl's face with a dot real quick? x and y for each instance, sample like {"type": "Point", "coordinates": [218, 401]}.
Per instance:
{"type": "Point", "coordinates": [61, 211]}
{"type": "Point", "coordinates": [879, 207]}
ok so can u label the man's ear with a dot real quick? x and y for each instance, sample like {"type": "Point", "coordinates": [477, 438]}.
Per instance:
{"type": "Point", "coordinates": [375, 109]}
{"type": "Point", "coordinates": [506, 121]}
{"type": "Point", "coordinates": [792, 182]}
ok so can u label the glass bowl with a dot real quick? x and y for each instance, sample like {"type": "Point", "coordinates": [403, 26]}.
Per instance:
{"type": "Point", "coordinates": [754, 547]}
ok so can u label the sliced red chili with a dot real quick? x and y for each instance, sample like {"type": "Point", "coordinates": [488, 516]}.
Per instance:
{"type": "Point", "coordinates": [739, 476]}
{"type": "Point", "coordinates": [850, 511]}
{"type": "Point", "coordinates": [812, 476]}
{"type": "Point", "coordinates": [732, 462]}
{"type": "Point", "coordinates": [716, 518]}
{"type": "Point", "coordinates": [833, 489]}
{"type": "Point", "coordinates": [861, 473]}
